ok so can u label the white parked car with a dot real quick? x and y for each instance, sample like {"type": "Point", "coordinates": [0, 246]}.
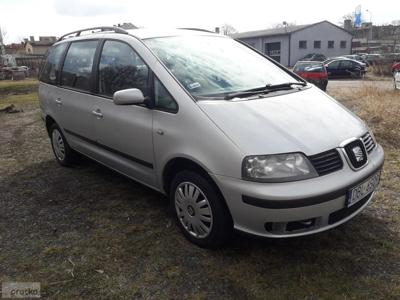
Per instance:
{"type": "Point", "coordinates": [396, 78]}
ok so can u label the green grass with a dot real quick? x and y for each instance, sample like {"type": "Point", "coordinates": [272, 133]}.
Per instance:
{"type": "Point", "coordinates": [17, 85]}
{"type": "Point", "coordinates": [19, 93]}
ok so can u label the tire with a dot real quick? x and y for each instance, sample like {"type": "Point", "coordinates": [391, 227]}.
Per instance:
{"type": "Point", "coordinates": [63, 153]}
{"type": "Point", "coordinates": [204, 220]}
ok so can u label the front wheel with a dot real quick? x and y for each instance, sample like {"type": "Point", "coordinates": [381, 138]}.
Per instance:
{"type": "Point", "coordinates": [200, 210]}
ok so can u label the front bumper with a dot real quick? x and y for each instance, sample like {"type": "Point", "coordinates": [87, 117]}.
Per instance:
{"type": "Point", "coordinates": [296, 208]}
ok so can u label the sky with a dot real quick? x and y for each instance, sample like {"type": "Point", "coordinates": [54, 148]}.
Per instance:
{"type": "Point", "coordinates": [24, 18]}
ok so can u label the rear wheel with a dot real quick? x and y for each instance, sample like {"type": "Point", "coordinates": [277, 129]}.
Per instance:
{"type": "Point", "coordinates": [63, 153]}
{"type": "Point", "coordinates": [200, 211]}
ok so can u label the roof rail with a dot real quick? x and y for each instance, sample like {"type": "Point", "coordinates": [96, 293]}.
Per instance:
{"type": "Point", "coordinates": [102, 28]}
{"type": "Point", "coordinates": [197, 29]}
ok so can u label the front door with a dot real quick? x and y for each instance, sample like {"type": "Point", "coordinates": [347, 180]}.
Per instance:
{"type": "Point", "coordinates": [75, 102]}
{"type": "Point", "coordinates": [124, 132]}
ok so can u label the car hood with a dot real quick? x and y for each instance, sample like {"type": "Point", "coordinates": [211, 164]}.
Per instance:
{"type": "Point", "coordinates": [308, 121]}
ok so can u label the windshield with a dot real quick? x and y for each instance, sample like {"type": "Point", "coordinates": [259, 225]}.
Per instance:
{"type": "Point", "coordinates": [213, 65]}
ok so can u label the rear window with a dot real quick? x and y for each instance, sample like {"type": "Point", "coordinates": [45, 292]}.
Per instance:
{"type": "Point", "coordinates": [50, 70]}
{"type": "Point", "coordinates": [77, 69]}
{"type": "Point", "coordinates": [309, 68]}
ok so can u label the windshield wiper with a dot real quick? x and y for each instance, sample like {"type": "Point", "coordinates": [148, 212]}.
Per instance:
{"type": "Point", "coordinates": [264, 90]}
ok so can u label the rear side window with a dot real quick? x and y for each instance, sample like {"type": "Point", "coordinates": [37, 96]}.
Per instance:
{"type": "Point", "coordinates": [346, 64]}
{"type": "Point", "coordinates": [77, 69]}
{"type": "Point", "coordinates": [50, 70]}
{"type": "Point", "coordinates": [121, 68]}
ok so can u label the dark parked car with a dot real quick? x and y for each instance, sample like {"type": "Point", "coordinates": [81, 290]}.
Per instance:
{"type": "Point", "coordinates": [312, 71]}
{"type": "Point", "coordinates": [313, 57]}
{"type": "Point", "coordinates": [344, 68]}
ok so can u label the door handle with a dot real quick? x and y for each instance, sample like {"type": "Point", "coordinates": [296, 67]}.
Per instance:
{"type": "Point", "coordinates": [58, 101]}
{"type": "Point", "coordinates": [97, 113]}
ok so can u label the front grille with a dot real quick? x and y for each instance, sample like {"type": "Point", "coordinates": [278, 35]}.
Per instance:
{"type": "Point", "coordinates": [326, 162]}
{"type": "Point", "coordinates": [369, 142]}
{"type": "Point", "coordinates": [356, 153]}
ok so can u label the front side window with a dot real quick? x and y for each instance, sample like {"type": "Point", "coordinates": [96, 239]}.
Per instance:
{"type": "Point", "coordinates": [215, 65]}
{"type": "Point", "coordinates": [77, 69]}
{"type": "Point", "coordinates": [121, 68]}
{"type": "Point", "coordinates": [162, 98]}
{"type": "Point", "coordinates": [50, 70]}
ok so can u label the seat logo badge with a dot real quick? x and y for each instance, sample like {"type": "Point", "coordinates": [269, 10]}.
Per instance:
{"type": "Point", "coordinates": [358, 153]}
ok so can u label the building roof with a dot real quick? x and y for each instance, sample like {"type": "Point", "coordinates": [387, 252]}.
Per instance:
{"type": "Point", "coordinates": [270, 32]}
{"type": "Point", "coordinates": [14, 46]}
{"type": "Point", "coordinates": [279, 31]}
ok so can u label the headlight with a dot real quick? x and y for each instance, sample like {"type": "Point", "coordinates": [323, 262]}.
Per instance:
{"type": "Point", "coordinates": [277, 168]}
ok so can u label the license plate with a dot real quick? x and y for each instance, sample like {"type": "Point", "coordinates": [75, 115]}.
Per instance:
{"type": "Point", "coordinates": [363, 189]}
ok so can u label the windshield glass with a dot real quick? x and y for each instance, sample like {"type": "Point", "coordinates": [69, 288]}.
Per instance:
{"type": "Point", "coordinates": [213, 65]}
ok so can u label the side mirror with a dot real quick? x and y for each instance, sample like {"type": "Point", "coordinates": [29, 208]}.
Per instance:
{"type": "Point", "coordinates": [128, 97]}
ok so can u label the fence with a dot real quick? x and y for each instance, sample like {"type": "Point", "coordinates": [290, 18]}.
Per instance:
{"type": "Point", "coordinates": [32, 61]}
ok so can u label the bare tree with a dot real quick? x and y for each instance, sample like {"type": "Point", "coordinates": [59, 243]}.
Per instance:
{"type": "Point", "coordinates": [3, 33]}
{"type": "Point", "coordinates": [227, 29]}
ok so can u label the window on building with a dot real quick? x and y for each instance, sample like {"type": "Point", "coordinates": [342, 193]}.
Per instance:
{"type": "Point", "coordinates": [342, 44]}
{"type": "Point", "coordinates": [303, 44]}
{"type": "Point", "coordinates": [77, 69]}
{"type": "Point", "coordinates": [331, 44]}
{"type": "Point", "coordinates": [121, 68]}
{"type": "Point", "coordinates": [50, 70]}
{"type": "Point", "coordinates": [317, 44]}
{"type": "Point", "coordinates": [162, 98]}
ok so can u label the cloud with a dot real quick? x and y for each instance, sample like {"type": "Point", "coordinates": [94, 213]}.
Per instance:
{"type": "Point", "coordinates": [89, 7]}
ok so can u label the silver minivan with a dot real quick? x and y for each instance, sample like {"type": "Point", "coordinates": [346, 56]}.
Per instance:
{"type": "Point", "coordinates": [234, 139]}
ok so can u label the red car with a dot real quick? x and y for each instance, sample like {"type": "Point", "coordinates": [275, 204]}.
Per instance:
{"type": "Point", "coordinates": [312, 71]}
{"type": "Point", "coordinates": [396, 67]}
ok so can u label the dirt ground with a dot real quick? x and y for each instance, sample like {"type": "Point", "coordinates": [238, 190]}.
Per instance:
{"type": "Point", "coordinates": [88, 232]}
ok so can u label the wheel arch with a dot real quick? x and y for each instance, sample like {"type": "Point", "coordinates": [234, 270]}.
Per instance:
{"type": "Point", "coordinates": [49, 120]}
{"type": "Point", "coordinates": [178, 164]}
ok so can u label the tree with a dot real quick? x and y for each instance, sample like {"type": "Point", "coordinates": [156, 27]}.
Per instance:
{"type": "Point", "coordinates": [227, 29]}
{"type": "Point", "coordinates": [3, 33]}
